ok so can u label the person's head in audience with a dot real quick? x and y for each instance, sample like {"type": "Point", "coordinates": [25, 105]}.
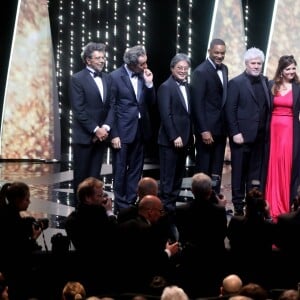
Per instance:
{"type": "Point", "coordinates": [151, 208]}
{"type": "Point", "coordinates": [16, 195]}
{"type": "Point", "coordinates": [256, 205]}
{"type": "Point", "coordinates": [254, 291]}
{"type": "Point", "coordinates": [3, 288]}
{"type": "Point", "coordinates": [90, 192]}
{"type": "Point", "coordinates": [139, 297]}
{"type": "Point", "coordinates": [147, 186]}
{"type": "Point", "coordinates": [239, 297]}
{"type": "Point", "coordinates": [290, 294]}
{"type": "Point", "coordinates": [296, 200]}
{"type": "Point", "coordinates": [73, 290]}
{"type": "Point", "coordinates": [201, 186]}
{"type": "Point", "coordinates": [173, 293]}
{"type": "Point", "coordinates": [231, 285]}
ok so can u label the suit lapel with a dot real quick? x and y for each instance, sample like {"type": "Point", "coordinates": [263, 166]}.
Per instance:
{"type": "Point", "coordinates": [94, 84]}
{"type": "Point", "coordinates": [140, 88]}
{"type": "Point", "coordinates": [104, 83]}
{"type": "Point", "coordinates": [125, 78]}
{"type": "Point", "coordinates": [266, 90]}
{"type": "Point", "coordinates": [296, 95]}
{"type": "Point", "coordinates": [225, 83]}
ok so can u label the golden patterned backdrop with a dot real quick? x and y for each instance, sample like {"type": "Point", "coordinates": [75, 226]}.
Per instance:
{"type": "Point", "coordinates": [30, 125]}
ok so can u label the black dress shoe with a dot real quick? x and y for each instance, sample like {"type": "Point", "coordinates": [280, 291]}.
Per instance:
{"type": "Point", "coordinates": [238, 213]}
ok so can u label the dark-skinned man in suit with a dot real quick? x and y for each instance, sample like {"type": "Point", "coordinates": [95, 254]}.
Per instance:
{"type": "Point", "coordinates": [208, 90]}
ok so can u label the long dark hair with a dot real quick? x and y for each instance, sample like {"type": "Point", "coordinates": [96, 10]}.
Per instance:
{"type": "Point", "coordinates": [284, 61]}
{"type": "Point", "coordinates": [11, 193]}
{"type": "Point", "coordinates": [255, 204]}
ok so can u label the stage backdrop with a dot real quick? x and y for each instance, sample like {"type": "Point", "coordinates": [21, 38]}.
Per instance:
{"type": "Point", "coordinates": [30, 118]}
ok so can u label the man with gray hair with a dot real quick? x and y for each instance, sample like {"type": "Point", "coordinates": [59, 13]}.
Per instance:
{"type": "Point", "coordinates": [247, 112]}
{"type": "Point", "coordinates": [202, 226]}
{"type": "Point", "coordinates": [133, 94]}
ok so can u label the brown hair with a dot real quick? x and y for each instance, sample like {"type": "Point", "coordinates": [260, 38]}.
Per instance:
{"type": "Point", "coordinates": [284, 62]}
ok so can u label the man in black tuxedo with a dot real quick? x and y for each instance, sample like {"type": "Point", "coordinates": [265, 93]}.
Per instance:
{"type": "Point", "coordinates": [175, 133]}
{"type": "Point", "coordinates": [209, 91]}
{"type": "Point", "coordinates": [247, 112]}
{"type": "Point", "coordinates": [89, 93]}
{"type": "Point", "coordinates": [133, 94]}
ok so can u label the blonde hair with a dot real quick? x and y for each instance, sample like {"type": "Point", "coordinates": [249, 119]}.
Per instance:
{"type": "Point", "coordinates": [73, 290]}
{"type": "Point", "coordinates": [173, 293]}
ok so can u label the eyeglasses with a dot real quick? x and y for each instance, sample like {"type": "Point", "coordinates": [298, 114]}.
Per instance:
{"type": "Point", "coordinates": [181, 68]}
{"type": "Point", "coordinates": [98, 58]}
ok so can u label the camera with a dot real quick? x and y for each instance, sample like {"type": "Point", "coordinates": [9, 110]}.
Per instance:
{"type": "Point", "coordinates": [215, 181]}
{"type": "Point", "coordinates": [42, 223]}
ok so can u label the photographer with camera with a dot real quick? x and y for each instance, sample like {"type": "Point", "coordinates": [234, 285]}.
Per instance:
{"type": "Point", "coordinates": [91, 228]}
{"type": "Point", "coordinates": [19, 239]}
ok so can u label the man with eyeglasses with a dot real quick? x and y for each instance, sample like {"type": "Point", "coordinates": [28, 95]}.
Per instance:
{"type": "Point", "coordinates": [175, 135]}
{"type": "Point", "coordinates": [89, 93]}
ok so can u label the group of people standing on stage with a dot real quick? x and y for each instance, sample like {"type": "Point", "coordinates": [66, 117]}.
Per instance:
{"type": "Point", "coordinates": [260, 117]}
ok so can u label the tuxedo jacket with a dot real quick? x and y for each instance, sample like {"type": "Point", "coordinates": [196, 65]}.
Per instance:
{"type": "Point", "coordinates": [90, 229]}
{"type": "Point", "coordinates": [202, 225]}
{"type": "Point", "coordinates": [174, 114]}
{"type": "Point", "coordinates": [88, 107]}
{"type": "Point", "coordinates": [208, 98]}
{"type": "Point", "coordinates": [287, 233]}
{"type": "Point", "coordinates": [142, 256]}
{"type": "Point", "coordinates": [242, 107]}
{"type": "Point", "coordinates": [128, 106]}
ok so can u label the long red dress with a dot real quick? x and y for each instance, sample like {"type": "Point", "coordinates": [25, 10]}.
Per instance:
{"type": "Point", "coordinates": [278, 183]}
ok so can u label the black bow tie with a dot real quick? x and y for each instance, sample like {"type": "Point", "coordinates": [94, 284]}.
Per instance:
{"type": "Point", "coordinates": [135, 75]}
{"type": "Point", "coordinates": [181, 82]}
{"type": "Point", "coordinates": [219, 67]}
{"type": "Point", "coordinates": [97, 74]}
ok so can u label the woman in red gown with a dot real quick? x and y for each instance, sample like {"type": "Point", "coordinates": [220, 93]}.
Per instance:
{"type": "Point", "coordinates": [284, 148]}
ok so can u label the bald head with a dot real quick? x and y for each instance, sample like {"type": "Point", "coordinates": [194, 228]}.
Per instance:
{"type": "Point", "coordinates": [147, 186]}
{"type": "Point", "coordinates": [231, 285]}
{"type": "Point", "coordinates": [150, 201]}
{"type": "Point", "coordinates": [151, 208]}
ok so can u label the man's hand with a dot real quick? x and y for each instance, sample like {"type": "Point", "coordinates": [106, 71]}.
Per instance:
{"type": "Point", "coordinates": [238, 138]}
{"type": "Point", "coordinates": [116, 143]}
{"type": "Point", "coordinates": [207, 137]}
